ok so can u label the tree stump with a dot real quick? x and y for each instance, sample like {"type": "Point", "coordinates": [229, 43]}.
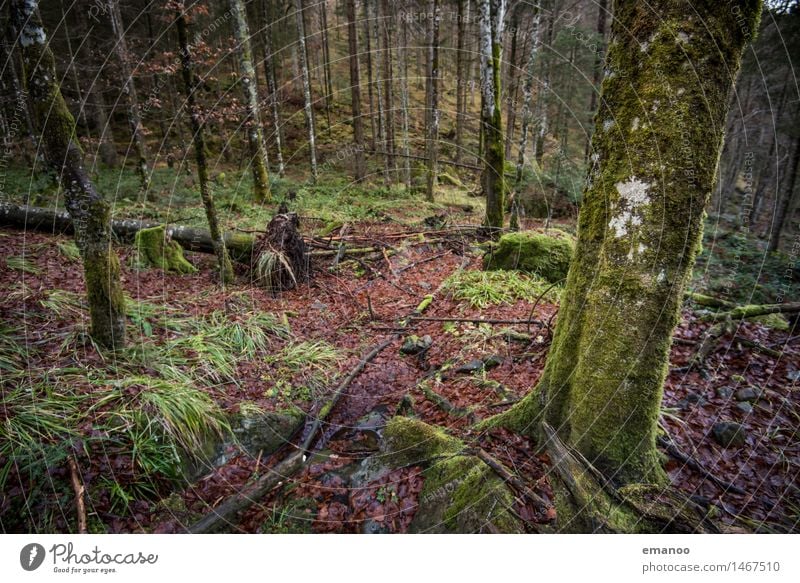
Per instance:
{"type": "Point", "coordinates": [280, 259]}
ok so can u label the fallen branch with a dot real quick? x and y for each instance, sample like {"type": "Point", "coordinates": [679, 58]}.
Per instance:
{"type": "Point", "coordinates": [540, 503]}
{"type": "Point", "coordinates": [752, 311]}
{"type": "Point", "coordinates": [80, 490]}
{"type": "Point", "coordinates": [673, 451]}
{"type": "Point", "coordinates": [474, 320]}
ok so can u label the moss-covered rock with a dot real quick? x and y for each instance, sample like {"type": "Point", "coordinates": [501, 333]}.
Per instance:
{"type": "Point", "coordinates": [154, 249]}
{"type": "Point", "coordinates": [263, 433]}
{"type": "Point", "coordinates": [461, 494]}
{"type": "Point", "coordinates": [546, 255]}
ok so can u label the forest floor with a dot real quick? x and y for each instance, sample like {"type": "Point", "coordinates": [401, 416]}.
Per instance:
{"type": "Point", "coordinates": [319, 331]}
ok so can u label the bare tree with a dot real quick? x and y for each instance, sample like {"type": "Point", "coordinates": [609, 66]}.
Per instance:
{"type": "Point", "coordinates": [432, 95]}
{"type": "Point", "coordinates": [307, 107]}
{"type": "Point", "coordinates": [355, 91]}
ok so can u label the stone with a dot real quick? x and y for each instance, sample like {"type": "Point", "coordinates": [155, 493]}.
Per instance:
{"type": "Point", "coordinates": [263, 433]}
{"type": "Point", "coordinates": [414, 344]}
{"type": "Point", "coordinates": [729, 434]}
{"type": "Point", "coordinates": [746, 394]}
{"type": "Point", "coordinates": [745, 407]}
{"type": "Point", "coordinates": [724, 392]}
{"type": "Point", "coordinates": [545, 255]}
{"type": "Point", "coordinates": [492, 361]}
{"type": "Point", "coordinates": [470, 367]}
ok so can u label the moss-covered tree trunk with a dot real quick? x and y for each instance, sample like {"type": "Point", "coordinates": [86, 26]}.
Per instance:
{"type": "Point", "coordinates": [462, 17]}
{"type": "Point", "coordinates": [355, 91]}
{"type": "Point", "coordinates": [90, 214]}
{"type": "Point", "coordinates": [190, 83]}
{"type": "Point", "coordinates": [432, 98]}
{"type": "Point", "coordinates": [303, 58]}
{"type": "Point", "coordinates": [492, 176]}
{"type": "Point", "coordinates": [252, 122]}
{"type": "Point", "coordinates": [129, 88]}
{"type": "Point", "coordinates": [658, 134]}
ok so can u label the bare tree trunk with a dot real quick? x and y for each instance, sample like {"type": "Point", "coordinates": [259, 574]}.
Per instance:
{"type": "Point", "coordinates": [272, 85]}
{"type": "Point", "coordinates": [527, 93]}
{"type": "Point", "coordinates": [402, 55]}
{"type": "Point", "coordinates": [461, 73]}
{"type": "Point", "coordinates": [355, 91]}
{"type": "Point", "coordinates": [307, 107]}
{"type": "Point", "coordinates": [542, 97]}
{"type": "Point", "coordinates": [512, 77]}
{"type": "Point", "coordinates": [785, 201]}
{"type": "Point", "coordinates": [375, 30]}
{"type": "Point", "coordinates": [129, 88]}
{"type": "Point", "coordinates": [375, 135]}
{"type": "Point", "coordinates": [432, 93]}
{"type": "Point", "coordinates": [190, 83]}
{"type": "Point", "coordinates": [597, 68]}
{"type": "Point", "coordinates": [90, 214]}
{"type": "Point", "coordinates": [326, 56]}
{"type": "Point", "coordinates": [386, 22]}
{"type": "Point", "coordinates": [252, 121]}
{"type": "Point", "coordinates": [492, 177]}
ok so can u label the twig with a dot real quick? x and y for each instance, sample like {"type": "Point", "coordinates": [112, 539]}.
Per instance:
{"type": "Point", "coordinates": [474, 320]}
{"type": "Point", "coordinates": [672, 450]}
{"type": "Point", "coordinates": [421, 261]}
{"type": "Point", "coordinates": [540, 503]}
{"type": "Point", "coordinates": [80, 489]}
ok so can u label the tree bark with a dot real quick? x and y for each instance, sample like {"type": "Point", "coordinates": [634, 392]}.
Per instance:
{"type": "Point", "coordinates": [307, 107]}
{"type": "Point", "coordinates": [785, 201]}
{"type": "Point", "coordinates": [402, 56]}
{"type": "Point", "coordinates": [129, 89]}
{"type": "Point", "coordinates": [597, 68]}
{"type": "Point", "coordinates": [375, 135]}
{"type": "Point", "coordinates": [492, 177]}
{"type": "Point", "coordinates": [252, 121]}
{"type": "Point", "coordinates": [386, 22]}
{"type": "Point", "coordinates": [272, 85]}
{"type": "Point", "coordinates": [190, 83]}
{"type": "Point", "coordinates": [461, 73]}
{"type": "Point", "coordinates": [639, 230]}
{"type": "Point", "coordinates": [89, 212]}
{"type": "Point", "coordinates": [355, 91]}
{"type": "Point", "coordinates": [527, 93]}
{"type": "Point", "coordinates": [432, 94]}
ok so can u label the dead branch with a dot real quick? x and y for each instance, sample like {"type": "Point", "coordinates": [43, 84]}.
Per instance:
{"type": "Point", "coordinates": [80, 490]}
{"type": "Point", "coordinates": [693, 464]}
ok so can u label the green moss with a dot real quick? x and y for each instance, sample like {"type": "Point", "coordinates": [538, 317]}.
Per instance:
{"type": "Point", "coordinates": [409, 441]}
{"type": "Point", "coordinates": [547, 256]}
{"type": "Point", "coordinates": [154, 249]}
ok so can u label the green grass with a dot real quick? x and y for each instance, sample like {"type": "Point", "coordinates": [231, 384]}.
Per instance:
{"type": "Point", "coordinates": [307, 355]}
{"type": "Point", "coordinates": [485, 288]}
{"type": "Point", "coordinates": [69, 250]}
{"type": "Point", "coordinates": [23, 264]}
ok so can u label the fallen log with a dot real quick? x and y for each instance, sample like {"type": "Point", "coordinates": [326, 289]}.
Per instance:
{"type": "Point", "coordinates": [239, 245]}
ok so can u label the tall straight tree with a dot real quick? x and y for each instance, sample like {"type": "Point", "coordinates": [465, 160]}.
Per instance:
{"type": "Point", "coordinates": [375, 135]}
{"type": "Point", "coordinates": [355, 90]}
{"type": "Point", "coordinates": [129, 88]}
{"type": "Point", "coordinates": [252, 121]}
{"type": "Point", "coordinates": [303, 58]}
{"type": "Point", "coordinates": [597, 67]}
{"type": "Point", "coordinates": [527, 94]}
{"type": "Point", "coordinates": [461, 75]}
{"type": "Point", "coordinates": [402, 58]}
{"type": "Point", "coordinates": [326, 58]}
{"type": "Point", "coordinates": [492, 176]}
{"type": "Point", "coordinates": [272, 85]}
{"type": "Point", "coordinates": [432, 95]}
{"type": "Point", "coordinates": [387, 21]}
{"type": "Point", "coordinates": [90, 213]}
{"type": "Point", "coordinates": [190, 83]}
{"type": "Point", "coordinates": [671, 66]}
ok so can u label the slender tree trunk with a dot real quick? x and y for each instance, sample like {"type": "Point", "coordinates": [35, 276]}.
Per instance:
{"type": "Point", "coordinates": [21, 102]}
{"type": "Point", "coordinates": [512, 77]}
{"type": "Point", "coordinates": [492, 177]}
{"type": "Point", "coordinates": [355, 91]}
{"type": "Point", "coordinates": [129, 89]}
{"type": "Point", "coordinates": [543, 96]}
{"type": "Point", "coordinates": [639, 229]}
{"type": "Point", "coordinates": [527, 93]}
{"type": "Point", "coordinates": [784, 202]}
{"type": "Point", "coordinates": [272, 85]}
{"type": "Point", "coordinates": [402, 55]}
{"type": "Point", "coordinates": [375, 30]}
{"type": "Point", "coordinates": [252, 123]}
{"type": "Point", "coordinates": [461, 73]}
{"type": "Point", "coordinates": [90, 214]}
{"type": "Point", "coordinates": [190, 83]}
{"type": "Point", "coordinates": [597, 68]}
{"type": "Point", "coordinates": [307, 107]}
{"type": "Point", "coordinates": [386, 23]}
{"type": "Point", "coordinates": [432, 93]}
{"type": "Point", "coordinates": [375, 135]}
{"type": "Point", "coordinates": [326, 56]}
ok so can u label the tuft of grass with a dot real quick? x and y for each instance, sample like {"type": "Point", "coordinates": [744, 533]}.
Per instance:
{"type": "Point", "coordinates": [23, 264]}
{"type": "Point", "coordinates": [62, 303]}
{"type": "Point", "coordinates": [484, 288]}
{"type": "Point", "coordinates": [307, 355]}
{"type": "Point", "coordinates": [69, 250]}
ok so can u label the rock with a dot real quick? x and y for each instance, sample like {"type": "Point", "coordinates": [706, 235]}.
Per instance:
{"type": "Point", "coordinates": [724, 392]}
{"type": "Point", "coordinates": [547, 256]}
{"type": "Point", "coordinates": [470, 367]}
{"type": "Point", "coordinates": [263, 433]}
{"type": "Point", "coordinates": [692, 399]}
{"type": "Point", "coordinates": [492, 361]}
{"type": "Point", "coordinates": [746, 394]}
{"type": "Point", "coordinates": [318, 305]}
{"type": "Point", "coordinates": [414, 344]}
{"type": "Point", "coordinates": [729, 434]}
{"type": "Point", "coordinates": [745, 407]}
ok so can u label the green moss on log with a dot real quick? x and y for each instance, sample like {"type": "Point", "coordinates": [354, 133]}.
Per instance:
{"type": "Point", "coordinates": [155, 250]}
{"type": "Point", "coordinates": [547, 256]}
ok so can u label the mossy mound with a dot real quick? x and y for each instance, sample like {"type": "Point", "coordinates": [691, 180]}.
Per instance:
{"type": "Point", "coordinates": [155, 250]}
{"type": "Point", "coordinates": [461, 494]}
{"type": "Point", "coordinates": [546, 255]}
